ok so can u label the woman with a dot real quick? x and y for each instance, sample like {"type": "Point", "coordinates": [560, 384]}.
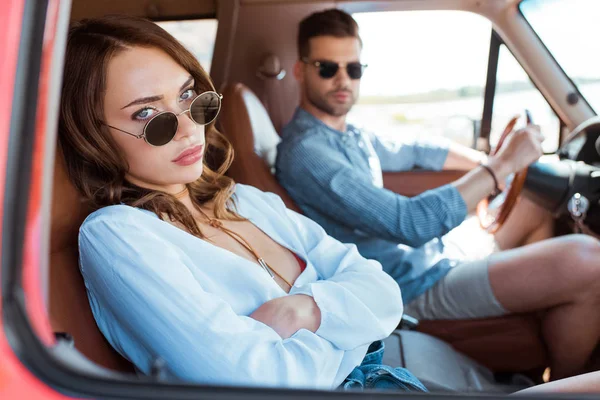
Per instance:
{"type": "Point", "coordinates": [219, 281]}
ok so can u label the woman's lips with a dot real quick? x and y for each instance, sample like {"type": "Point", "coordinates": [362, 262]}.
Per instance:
{"type": "Point", "coordinates": [189, 156]}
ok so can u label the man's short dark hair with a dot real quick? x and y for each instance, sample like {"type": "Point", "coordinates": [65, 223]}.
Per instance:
{"type": "Point", "coordinates": [332, 22]}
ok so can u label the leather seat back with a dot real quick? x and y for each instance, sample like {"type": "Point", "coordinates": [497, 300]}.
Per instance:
{"type": "Point", "coordinates": [247, 125]}
{"type": "Point", "coordinates": [69, 308]}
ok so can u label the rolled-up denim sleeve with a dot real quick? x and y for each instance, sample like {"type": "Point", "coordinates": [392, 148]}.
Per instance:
{"type": "Point", "coordinates": [325, 180]}
{"type": "Point", "coordinates": [398, 156]}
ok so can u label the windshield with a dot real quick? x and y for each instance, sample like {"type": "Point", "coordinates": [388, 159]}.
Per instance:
{"type": "Point", "coordinates": [568, 29]}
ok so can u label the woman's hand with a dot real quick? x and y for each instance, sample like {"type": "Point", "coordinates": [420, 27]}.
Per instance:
{"type": "Point", "coordinates": [287, 314]}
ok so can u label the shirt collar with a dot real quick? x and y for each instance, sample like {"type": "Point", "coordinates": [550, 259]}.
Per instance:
{"type": "Point", "coordinates": [306, 117]}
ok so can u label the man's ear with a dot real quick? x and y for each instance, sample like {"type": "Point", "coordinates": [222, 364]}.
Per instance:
{"type": "Point", "coordinates": [299, 71]}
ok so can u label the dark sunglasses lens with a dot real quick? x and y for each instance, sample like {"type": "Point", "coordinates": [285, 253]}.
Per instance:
{"type": "Point", "coordinates": [327, 69]}
{"type": "Point", "coordinates": [204, 108]}
{"type": "Point", "coordinates": [161, 129]}
{"type": "Point", "coordinates": [355, 70]}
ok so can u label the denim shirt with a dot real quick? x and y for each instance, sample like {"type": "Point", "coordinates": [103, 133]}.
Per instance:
{"type": "Point", "coordinates": [336, 179]}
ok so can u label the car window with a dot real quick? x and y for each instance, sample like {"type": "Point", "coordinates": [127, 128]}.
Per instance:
{"type": "Point", "coordinates": [198, 36]}
{"type": "Point", "coordinates": [569, 30]}
{"type": "Point", "coordinates": [426, 73]}
{"type": "Point", "coordinates": [514, 93]}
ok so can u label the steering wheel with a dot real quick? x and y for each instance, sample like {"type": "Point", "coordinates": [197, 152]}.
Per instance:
{"type": "Point", "coordinates": [493, 211]}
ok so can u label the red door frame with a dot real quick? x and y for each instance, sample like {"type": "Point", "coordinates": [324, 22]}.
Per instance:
{"type": "Point", "coordinates": [16, 380]}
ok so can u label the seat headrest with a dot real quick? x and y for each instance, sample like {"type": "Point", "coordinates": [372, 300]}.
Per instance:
{"type": "Point", "coordinates": [246, 108]}
{"type": "Point", "coordinates": [246, 123]}
{"type": "Point", "coordinates": [266, 138]}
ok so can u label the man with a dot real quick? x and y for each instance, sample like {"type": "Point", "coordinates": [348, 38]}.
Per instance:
{"type": "Point", "coordinates": [333, 171]}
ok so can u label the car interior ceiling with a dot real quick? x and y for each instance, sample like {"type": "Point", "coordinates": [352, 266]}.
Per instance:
{"type": "Point", "coordinates": [500, 345]}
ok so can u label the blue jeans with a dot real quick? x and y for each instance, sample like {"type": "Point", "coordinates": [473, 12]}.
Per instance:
{"type": "Point", "coordinates": [371, 374]}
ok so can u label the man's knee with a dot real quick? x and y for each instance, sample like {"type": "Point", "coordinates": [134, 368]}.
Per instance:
{"type": "Point", "coordinates": [575, 254]}
{"type": "Point", "coordinates": [586, 249]}
{"type": "Point", "coordinates": [584, 259]}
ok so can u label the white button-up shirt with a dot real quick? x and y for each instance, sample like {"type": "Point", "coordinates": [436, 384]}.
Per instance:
{"type": "Point", "coordinates": [157, 291]}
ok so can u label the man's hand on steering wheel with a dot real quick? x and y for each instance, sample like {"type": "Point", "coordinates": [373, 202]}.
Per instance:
{"type": "Point", "coordinates": [521, 148]}
{"type": "Point", "coordinates": [515, 151]}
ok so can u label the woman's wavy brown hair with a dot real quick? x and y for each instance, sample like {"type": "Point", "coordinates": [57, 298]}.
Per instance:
{"type": "Point", "coordinates": [95, 164]}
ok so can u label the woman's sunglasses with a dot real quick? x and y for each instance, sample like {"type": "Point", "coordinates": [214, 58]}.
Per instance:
{"type": "Point", "coordinates": [328, 69]}
{"type": "Point", "coordinates": [161, 128]}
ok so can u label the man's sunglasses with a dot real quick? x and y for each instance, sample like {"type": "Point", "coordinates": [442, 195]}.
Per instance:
{"type": "Point", "coordinates": [328, 69]}
{"type": "Point", "coordinates": [161, 128]}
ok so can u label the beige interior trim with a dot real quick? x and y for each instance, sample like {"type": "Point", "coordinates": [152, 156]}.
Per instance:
{"type": "Point", "coordinates": [539, 64]}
